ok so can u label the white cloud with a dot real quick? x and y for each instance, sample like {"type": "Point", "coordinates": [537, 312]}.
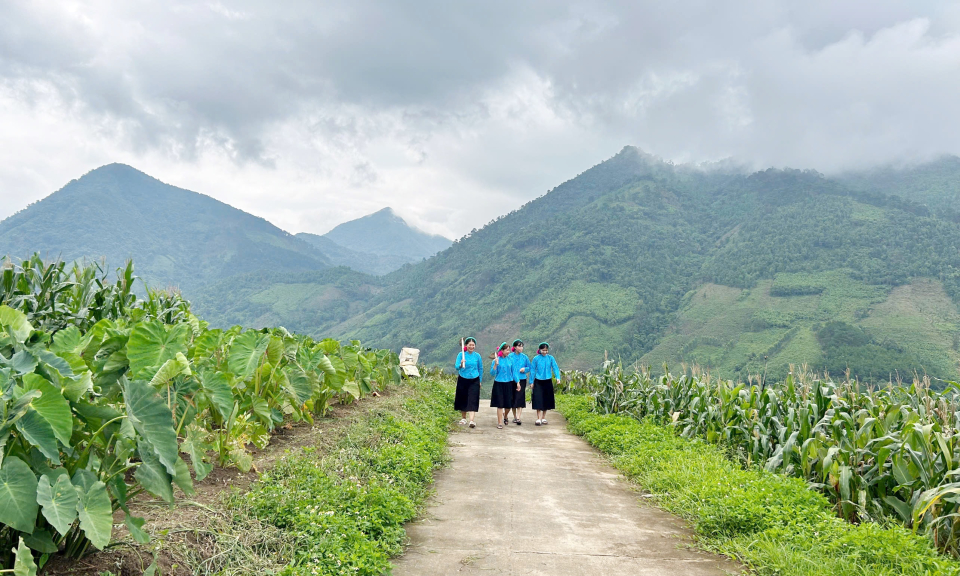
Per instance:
{"type": "Point", "coordinates": [309, 115]}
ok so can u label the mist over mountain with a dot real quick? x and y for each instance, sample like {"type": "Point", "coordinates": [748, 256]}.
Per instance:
{"type": "Point", "coordinates": [175, 236]}
{"type": "Point", "coordinates": [648, 261]}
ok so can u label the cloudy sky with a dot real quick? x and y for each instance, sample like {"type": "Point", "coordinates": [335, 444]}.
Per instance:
{"type": "Point", "coordinates": [312, 113]}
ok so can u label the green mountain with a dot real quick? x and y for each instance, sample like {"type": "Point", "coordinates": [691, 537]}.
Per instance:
{"type": "Point", "coordinates": [175, 236]}
{"type": "Point", "coordinates": [366, 262]}
{"type": "Point", "coordinates": [644, 260]}
{"type": "Point", "coordinates": [383, 233]}
{"type": "Point", "coordinates": [934, 184]}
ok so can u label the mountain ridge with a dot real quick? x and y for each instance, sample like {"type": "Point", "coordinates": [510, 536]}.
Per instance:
{"type": "Point", "coordinates": [117, 212]}
{"type": "Point", "coordinates": [606, 264]}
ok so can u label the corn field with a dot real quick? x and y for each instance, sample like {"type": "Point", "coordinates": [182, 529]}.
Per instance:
{"type": "Point", "coordinates": [890, 453]}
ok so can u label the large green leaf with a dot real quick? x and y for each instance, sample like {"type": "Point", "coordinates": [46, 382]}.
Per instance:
{"type": "Point", "coordinates": [42, 541]}
{"type": "Point", "coordinates": [153, 343]}
{"type": "Point", "coordinates": [197, 448]}
{"type": "Point", "coordinates": [171, 369]}
{"type": "Point", "coordinates": [15, 323]}
{"type": "Point", "coordinates": [19, 408]}
{"type": "Point", "coordinates": [274, 350]}
{"type": "Point", "coordinates": [18, 495]}
{"type": "Point", "coordinates": [51, 404]}
{"type": "Point", "coordinates": [152, 475]}
{"type": "Point", "coordinates": [58, 502]}
{"type": "Point", "coordinates": [261, 409]}
{"type": "Point", "coordinates": [246, 352]}
{"type": "Point", "coordinates": [182, 477]}
{"type": "Point", "coordinates": [24, 361]}
{"type": "Point", "coordinates": [40, 433]}
{"type": "Point", "coordinates": [76, 388]}
{"type": "Point", "coordinates": [299, 384]}
{"type": "Point", "coordinates": [135, 527]}
{"type": "Point", "coordinates": [152, 420]}
{"type": "Point", "coordinates": [96, 515]}
{"type": "Point", "coordinates": [67, 340]}
{"type": "Point", "coordinates": [51, 360]}
{"type": "Point", "coordinates": [24, 565]}
{"type": "Point", "coordinates": [218, 390]}
{"type": "Point", "coordinates": [352, 388]}
{"type": "Point", "coordinates": [205, 345]}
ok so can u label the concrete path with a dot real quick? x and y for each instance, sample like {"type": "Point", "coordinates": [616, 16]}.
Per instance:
{"type": "Point", "coordinates": [538, 500]}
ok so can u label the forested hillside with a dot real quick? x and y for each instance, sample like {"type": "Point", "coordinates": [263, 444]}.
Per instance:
{"type": "Point", "coordinates": [642, 259]}
{"type": "Point", "coordinates": [176, 236]}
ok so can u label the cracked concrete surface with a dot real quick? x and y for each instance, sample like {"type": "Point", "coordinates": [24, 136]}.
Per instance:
{"type": "Point", "coordinates": [538, 500]}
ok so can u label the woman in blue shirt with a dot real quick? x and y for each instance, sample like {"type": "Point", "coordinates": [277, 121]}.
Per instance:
{"type": "Point", "coordinates": [521, 363]}
{"type": "Point", "coordinates": [505, 382]}
{"type": "Point", "coordinates": [544, 368]}
{"type": "Point", "coordinates": [469, 372]}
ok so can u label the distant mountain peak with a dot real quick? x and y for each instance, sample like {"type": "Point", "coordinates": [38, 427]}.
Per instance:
{"type": "Point", "coordinates": [385, 233]}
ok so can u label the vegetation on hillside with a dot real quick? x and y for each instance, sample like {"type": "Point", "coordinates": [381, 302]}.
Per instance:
{"type": "Point", "coordinates": [613, 263]}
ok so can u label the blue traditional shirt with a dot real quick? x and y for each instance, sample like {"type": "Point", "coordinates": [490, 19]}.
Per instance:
{"type": "Point", "coordinates": [473, 367]}
{"type": "Point", "coordinates": [521, 360]}
{"type": "Point", "coordinates": [544, 367]}
{"type": "Point", "coordinates": [504, 371]}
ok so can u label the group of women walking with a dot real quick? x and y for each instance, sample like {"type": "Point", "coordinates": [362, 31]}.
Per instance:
{"type": "Point", "coordinates": [512, 371]}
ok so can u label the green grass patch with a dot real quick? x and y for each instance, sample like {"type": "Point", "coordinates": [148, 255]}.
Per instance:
{"type": "Point", "coordinates": [774, 524]}
{"type": "Point", "coordinates": [346, 508]}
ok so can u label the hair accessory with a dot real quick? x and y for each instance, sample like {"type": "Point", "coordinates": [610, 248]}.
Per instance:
{"type": "Point", "coordinates": [543, 345]}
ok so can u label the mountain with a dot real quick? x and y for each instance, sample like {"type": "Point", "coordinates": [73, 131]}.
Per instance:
{"type": "Point", "coordinates": [366, 262]}
{"type": "Point", "coordinates": [175, 236]}
{"type": "Point", "coordinates": [636, 258]}
{"type": "Point", "coordinates": [934, 184]}
{"type": "Point", "coordinates": [384, 233]}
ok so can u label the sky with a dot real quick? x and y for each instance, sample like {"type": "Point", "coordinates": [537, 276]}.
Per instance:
{"type": "Point", "coordinates": [312, 113]}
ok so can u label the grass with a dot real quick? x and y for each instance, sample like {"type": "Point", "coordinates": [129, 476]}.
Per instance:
{"type": "Point", "coordinates": [773, 524]}
{"type": "Point", "coordinates": [345, 508]}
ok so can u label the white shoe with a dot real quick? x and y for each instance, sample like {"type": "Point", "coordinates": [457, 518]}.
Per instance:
{"type": "Point", "coordinates": [538, 422]}
{"type": "Point", "coordinates": [473, 424]}
{"type": "Point", "coordinates": [463, 421]}
{"type": "Point", "coordinates": [544, 421]}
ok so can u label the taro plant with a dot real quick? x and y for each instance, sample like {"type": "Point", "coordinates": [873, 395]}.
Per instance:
{"type": "Point", "coordinates": [101, 394]}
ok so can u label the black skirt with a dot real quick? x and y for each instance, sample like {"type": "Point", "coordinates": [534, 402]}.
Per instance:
{"type": "Point", "coordinates": [520, 396]}
{"type": "Point", "coordinates": [467, 397]}
{"type": "Point", "coordinates": [542, 396]}
{"type": "Point", "coordinates": [502, 394]}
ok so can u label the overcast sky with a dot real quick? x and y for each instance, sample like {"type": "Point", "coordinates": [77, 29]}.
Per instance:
{"type": "Point", "coordinates": [312, 113]}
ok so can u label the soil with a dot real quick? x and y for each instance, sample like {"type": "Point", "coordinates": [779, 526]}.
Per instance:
{"type": "Point", "coordinates": [186, 534]}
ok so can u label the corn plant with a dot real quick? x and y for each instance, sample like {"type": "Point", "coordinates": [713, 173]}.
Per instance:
{"type": "Point", "coordinates": [889, 453]}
